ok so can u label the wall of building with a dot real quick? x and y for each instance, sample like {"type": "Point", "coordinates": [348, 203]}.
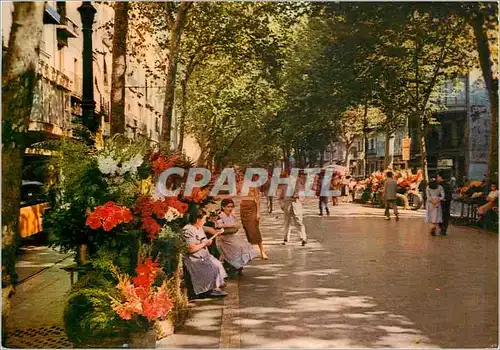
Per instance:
{"type": "Point", "coordinates": [58, 93]}
{"type": "Point", "coordinates": [479, 126]}
{"type": "Point", "coordinates": [460, 142]}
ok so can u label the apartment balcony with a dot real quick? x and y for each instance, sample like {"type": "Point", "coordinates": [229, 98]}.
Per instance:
{"type": "Point", "coordinates": [453, 101]}
{"type": "Point", "coordinates": [67, 29]}
{"type": "Point", "coordinates": [143, 129]}
{"type": "Point", "coordinates": [54, 75]}
{"type": "Point", "coordinates": [76, 86]}
{"type": "Point", "coordinates": [371, 152]}
{"type": "Point", "coordinates": [51, 112]}
{"type": "Point", "coordinates": [131, 122]}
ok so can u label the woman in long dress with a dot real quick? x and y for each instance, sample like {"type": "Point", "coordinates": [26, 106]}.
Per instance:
{"type": "Point", "coordinates": [234, 248]}
{"type": "Point", "coordinates": [206, 272]}
{"type": "Point", "coordinates": [250, 217]}
{"type": "Point", "coordinates": [434, 214]}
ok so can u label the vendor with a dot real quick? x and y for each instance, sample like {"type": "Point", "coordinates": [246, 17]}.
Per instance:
{"type": "Point", "coordinates": [234, 248]}
{"type": "Point", "coordinates": [492, 200]}
{"type": "Point", "coordinates": [206, 272]}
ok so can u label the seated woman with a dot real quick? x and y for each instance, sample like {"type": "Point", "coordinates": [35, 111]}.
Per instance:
{"type": "Point", "coordinates": [492, 200]}
{"type": "Point", "coordinates": [206, 272]}
{"type": "Point", "coordinates": [234, 249]}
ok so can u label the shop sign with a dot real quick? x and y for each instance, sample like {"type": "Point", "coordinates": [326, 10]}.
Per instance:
{"type": "Point", "coordinates": [405, 147]}
{"type": "Point", "coordinates": [445, 163]}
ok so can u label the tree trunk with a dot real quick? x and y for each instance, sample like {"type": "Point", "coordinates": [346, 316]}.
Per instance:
{"type": "Point", "coordinates": [183, 115]}
{"type": "Point", "coordinates": [18, 82]}
{"type": "Point", "coordinates": [347, 159]}
{"type": "Point", "coordinates": [322, 159]}
{"type": "Point", "coordinates": [176, 29]}
{"type": "Point", "coordinates": [204, 152]}
{"type": "Point", "coordinates": [478, 23]}
{"type": "Point", "coordinates": [119, 68]}
{"type": "Point", "coordinates": [419, 117]}
{"type": "Point", "coordinates": [389, 150]}
{"type": "Point", "coordinates": [423, 150]}
{"type": "Point", "coordinates": [365, 136]}
{"type": "Point", "coordinates": [286, 158]}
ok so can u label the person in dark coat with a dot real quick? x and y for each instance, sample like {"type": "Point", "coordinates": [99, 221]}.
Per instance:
{"type": "Point", "coordinates": [422, 189]}
{"type": "Point", "coordinates": [444, 181]}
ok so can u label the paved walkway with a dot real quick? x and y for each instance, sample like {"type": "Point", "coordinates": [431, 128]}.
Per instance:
{"type": "Point", "coordinates": [361, 282]}
{"type": "Point", "coordinates": [37, 307]}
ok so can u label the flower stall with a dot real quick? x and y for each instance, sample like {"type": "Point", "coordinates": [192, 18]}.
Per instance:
{"type": "Point", "coordinates": [466, 201]}
{"type": "Point", "coordinates": [106, 211]}
{"type": "Point", "coordinates": [370, 189]}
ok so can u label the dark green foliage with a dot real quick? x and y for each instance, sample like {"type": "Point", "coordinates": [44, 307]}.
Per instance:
{"type": "Point", "coordinates": [17, 97]}
{"type": "Point", "coordinates": [66, 221]}
{"type": "Point", "coordinates": [88, 316]}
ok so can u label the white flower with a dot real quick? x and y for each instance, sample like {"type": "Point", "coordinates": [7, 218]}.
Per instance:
{"type": "Point", "coordinates": [66, 206]}
{"type": "Point", "coordinates": [172, 214]}
{"type": "Point", "coordinates": [122, 170]}
{"type": "Point", "coordinates": [107, 165]}
{"type": "Point", "coordinates": [132, 164]}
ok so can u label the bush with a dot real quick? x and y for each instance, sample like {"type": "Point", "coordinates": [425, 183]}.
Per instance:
{"type": "Point", "coordinates": [88, 316]}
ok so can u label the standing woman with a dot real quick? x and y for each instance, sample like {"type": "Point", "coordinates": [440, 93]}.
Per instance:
{"type": "Point", "coordinates": [435, 195]}
{"type": "Point", "coordinates": [336, 188]}
{"type": "Point", "coordinates": [250, 217]}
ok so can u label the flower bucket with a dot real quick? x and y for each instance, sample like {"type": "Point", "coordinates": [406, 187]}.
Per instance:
{"type": "Point", "coordinates": [143, 340]}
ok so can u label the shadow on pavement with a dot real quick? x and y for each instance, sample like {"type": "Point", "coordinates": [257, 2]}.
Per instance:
{"type": "Point", "coordinates": [365, 282]}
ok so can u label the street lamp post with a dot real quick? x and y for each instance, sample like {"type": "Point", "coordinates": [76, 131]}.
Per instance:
{"type": "Point", "coordinates": [87, 13]}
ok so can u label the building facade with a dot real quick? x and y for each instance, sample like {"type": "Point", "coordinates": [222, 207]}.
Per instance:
{"type": "Point", "coordinates": [58, 94]}
{"type": "Point", "coordinates": [460, 140]}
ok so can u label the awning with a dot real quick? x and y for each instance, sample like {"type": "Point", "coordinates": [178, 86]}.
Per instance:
{"type": "Point", "coordinates": [51, 16]}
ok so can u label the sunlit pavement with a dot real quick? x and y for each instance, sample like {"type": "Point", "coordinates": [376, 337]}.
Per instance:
{"type": "Point", "coordinates": [360, 282]}
{"type": "Point", "coordinates": [366, 282]}
{"type": "Point", "coordinates": [42, 288]}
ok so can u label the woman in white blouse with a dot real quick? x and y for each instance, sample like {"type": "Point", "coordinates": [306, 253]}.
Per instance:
{"type": "Point", "coordinates": [434, 214]}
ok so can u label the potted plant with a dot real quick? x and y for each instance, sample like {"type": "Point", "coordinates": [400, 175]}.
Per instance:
{"type": "Point", "coordinates": [142, 302]}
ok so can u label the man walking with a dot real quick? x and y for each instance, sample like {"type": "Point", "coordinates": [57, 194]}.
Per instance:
{"type": "Point", "coordinates": [446, 204]}
{"type": "Point", "coordinates": [390, 196]}
{"type": "Point", "coordinates": [270, 196]}
{"type": "Point", "coordinates": [323, 200]}
{"type": "Point", "coordinates": [292, 208]}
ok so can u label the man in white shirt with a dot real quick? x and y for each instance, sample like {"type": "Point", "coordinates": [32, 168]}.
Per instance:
{"type": "Point", "coordinates": [292, 208]}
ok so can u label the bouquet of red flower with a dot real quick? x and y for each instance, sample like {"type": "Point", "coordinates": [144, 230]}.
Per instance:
{"type": "Point", "coordinates": [162, 163]}
{"type": "Point", "coordinates": [198, 195]}
{"type": "Point", "coordinates": [108, 216]}
{"type": "Point", "coordinates": [152, 210]}
{"type": "Point", "coordinates": [140, 299]}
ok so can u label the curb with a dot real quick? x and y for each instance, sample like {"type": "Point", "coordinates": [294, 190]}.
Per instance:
{"type": "Point", "coordinates": [230, 332]}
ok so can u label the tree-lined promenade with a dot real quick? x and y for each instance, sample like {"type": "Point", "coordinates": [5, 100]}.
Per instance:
{"type": "Point", "coordinates": [251, 84]}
